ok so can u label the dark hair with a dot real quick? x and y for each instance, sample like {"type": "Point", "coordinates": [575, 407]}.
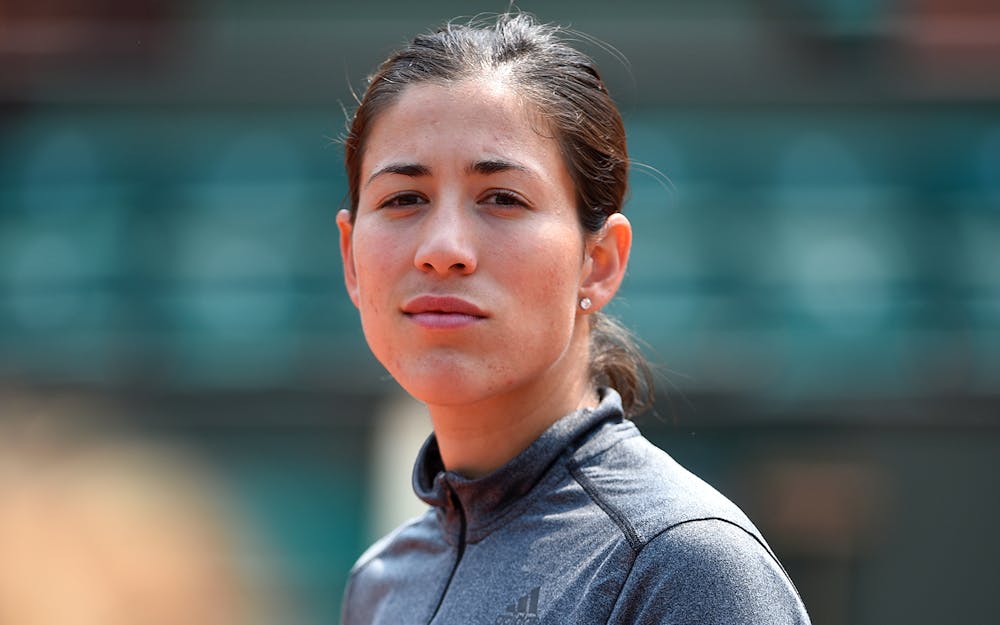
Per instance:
{"type": "Point", "coordinates": [567, 89]}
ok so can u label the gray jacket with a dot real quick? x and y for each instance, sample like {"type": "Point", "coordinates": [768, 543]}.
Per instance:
{"type": "Point", "coordinates": [589, 524]}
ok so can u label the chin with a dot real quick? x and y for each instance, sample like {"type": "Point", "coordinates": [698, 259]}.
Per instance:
{"type": "Point", "coordinates": [443, 391]}
{"type": "Point", "coordinates": [446, 385]}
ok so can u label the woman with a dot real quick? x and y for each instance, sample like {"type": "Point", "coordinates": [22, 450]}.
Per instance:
{"type": "Point", "coordinates": [487, 169]}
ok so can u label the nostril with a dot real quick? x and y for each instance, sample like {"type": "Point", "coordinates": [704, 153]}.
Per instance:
{"type": "Point", "coordinates": [443, 257]}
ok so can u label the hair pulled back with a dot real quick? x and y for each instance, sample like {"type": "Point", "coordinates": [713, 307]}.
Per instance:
{"type": "Point", "coordinates": [567, 90]}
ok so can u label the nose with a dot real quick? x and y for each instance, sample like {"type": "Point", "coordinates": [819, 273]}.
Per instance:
{"type": "Point", "coordinates": [447, 243]}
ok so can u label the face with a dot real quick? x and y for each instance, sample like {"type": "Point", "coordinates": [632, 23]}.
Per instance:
{"type": "Point", "coordinates": [466, 258]}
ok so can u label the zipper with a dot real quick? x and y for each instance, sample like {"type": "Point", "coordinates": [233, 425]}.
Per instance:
{"type": "Point", "coordinates": [460, 551]}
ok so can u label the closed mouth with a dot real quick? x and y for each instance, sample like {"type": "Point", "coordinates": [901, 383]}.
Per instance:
{"type": "Point", "coordinates": [437, 313]}
{"type": "Point", "coordinates": [443, 305]}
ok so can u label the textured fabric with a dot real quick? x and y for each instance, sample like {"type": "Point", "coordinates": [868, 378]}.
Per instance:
{"type": "Point", "coordinates": [590, 524]}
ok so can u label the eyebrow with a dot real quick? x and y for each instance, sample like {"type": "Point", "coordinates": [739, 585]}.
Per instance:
{"type": "Point", "coordinates": [413, 170]}
{"type": "Point", "coordinates": [496, 166]}
{"type": "Point", "coordinates": [485, 167]}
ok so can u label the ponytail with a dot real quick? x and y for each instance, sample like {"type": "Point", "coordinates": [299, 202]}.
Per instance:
{"type": "Point", "coordinates": [617, 362]}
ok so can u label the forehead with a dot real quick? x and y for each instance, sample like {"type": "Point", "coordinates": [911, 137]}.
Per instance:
{"type": "Point", "coordinates": [468, 119]}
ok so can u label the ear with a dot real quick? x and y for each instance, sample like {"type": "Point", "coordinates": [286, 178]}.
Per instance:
{"type": "Point", "coordinates": [347, 253]}
{"type": "Point", "coordinates": [607, 259]}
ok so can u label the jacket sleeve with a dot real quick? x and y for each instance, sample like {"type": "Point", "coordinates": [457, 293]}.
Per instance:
{"type": "Point", "coordinates": [707, 572]}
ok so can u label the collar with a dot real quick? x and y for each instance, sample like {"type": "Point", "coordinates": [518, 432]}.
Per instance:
{"type": "Point", "coordinates": [481, 504]}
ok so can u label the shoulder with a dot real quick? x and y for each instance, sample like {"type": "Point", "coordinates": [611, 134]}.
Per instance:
{"type": "Point", "coordinates": [391, 563]}
{"type": "Point", "coordinates": [643, 488]}
{"type": "Point", "coordinates": [413, 529]}
{"type": "Point", "coordinates": [697, 557]}
{"type": "Point", "coordinates": [708, 571]}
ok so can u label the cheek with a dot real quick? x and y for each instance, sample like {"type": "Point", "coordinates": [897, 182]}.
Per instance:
{"type": "Point", "coordinates": [376, 278]}
{"type": "Point", "coordinates": [550, 283]}
{"type": "Point", "coordinates": [374, 263]}
{"type": "Point", "coordinates": [369, 303]}
{"type": "Point", "coordinates": [557, 262]}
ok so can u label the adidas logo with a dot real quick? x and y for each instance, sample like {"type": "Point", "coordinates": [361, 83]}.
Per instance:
{"type": "Point", "coordinates": [524, 611]}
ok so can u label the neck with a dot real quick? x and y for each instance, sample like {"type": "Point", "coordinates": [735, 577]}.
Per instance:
{"type": "Point", "coordinates": [477, 439]}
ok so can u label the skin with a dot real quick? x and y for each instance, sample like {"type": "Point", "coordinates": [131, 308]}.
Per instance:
{"type": "Point", "coordinates": [465, 195]}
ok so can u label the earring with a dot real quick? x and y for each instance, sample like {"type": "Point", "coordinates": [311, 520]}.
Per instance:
{"type": "Point", "coordinates": [585, 303]}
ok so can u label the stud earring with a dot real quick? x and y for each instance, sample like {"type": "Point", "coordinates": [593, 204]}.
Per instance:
{"type": "Point", "coordinates": [585, 303]}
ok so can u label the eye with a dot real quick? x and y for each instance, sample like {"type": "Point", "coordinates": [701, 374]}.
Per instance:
{"type": "Point", "coordinates": [505, 199]}
{"type": "Point", "coordinates": [403, 200]}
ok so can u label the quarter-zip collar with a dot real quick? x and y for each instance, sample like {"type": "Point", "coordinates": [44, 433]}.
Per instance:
{"type": "Point", "coordinates": [485, 501]}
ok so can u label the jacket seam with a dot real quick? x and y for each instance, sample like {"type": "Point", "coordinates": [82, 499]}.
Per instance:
{"type": "Point", "coordinates": [752, 535]}
{"type": "Point", "coordinates": [638, 552]}
{"type": "Point", "coordinates": [616, 515]}
{"type": "Point", "coordinates": [724, 520]}
{"type": "Point", "coordinates": [621, 590]}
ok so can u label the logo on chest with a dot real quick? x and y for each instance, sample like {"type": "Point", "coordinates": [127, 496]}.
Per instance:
{"type": "Point", "coordinates": [524, 611]}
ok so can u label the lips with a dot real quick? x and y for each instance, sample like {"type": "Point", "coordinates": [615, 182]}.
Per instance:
{"type": "Point", "coordinates": [442, 312]}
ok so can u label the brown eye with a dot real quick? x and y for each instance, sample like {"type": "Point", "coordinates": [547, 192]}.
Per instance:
{"type": "Point", "coordinates": [403, 199]}
{"type": "Point", "coordinates": [504, 198]}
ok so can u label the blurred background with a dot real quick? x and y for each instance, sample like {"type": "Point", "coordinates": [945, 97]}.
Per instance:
{"type": "Point", "coordinates": [190, 418]}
